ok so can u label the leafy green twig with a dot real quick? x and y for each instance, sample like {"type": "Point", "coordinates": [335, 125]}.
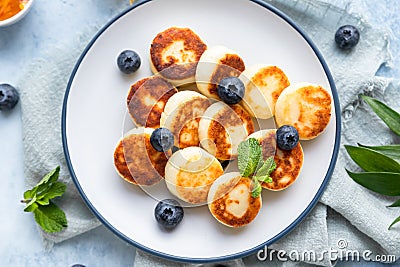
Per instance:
{"type": "Point", "coordinates": [38, 200]}
{"type": "Point", "coordinates": [381, 164]}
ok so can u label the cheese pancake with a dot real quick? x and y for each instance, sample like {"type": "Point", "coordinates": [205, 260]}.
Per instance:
{"type": "Point", "coordinates": [222, 128]}
{"type": "Point", "coordinates": [181, 116]}
{"type": "Point", "coordinates": [215, 64]}
{"type": "Point", "coordinates": [136, 161]}
{"type": "Point", "coordinates": [146, 100]}
{"type": "Point", "coordinates": [174, 54]}
{"type": "Point", "coordinates": [305, 106]}
{"type": "Point", "coordinates": [263, 85]}
{"type": "Point", "coordinates": [288, 162]}
{"type": "Point", "coordinates": [230, 200]}
{"type": "Point", "coordinates": [190, 172]}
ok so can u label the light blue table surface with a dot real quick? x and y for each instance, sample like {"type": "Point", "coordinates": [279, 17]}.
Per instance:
{"type": "Point", "coordinates": [48, 24]}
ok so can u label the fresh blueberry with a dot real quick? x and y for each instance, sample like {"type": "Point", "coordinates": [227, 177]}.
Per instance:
{"type": "Point", "coordinates": [231, 90]}
{"type": "Point", "coordinates": [347, 37]}
{"type": "Point", "coordinates": [168, 213]}
{"type": "Point", "coordinates": [287, 137]}
{"type": "Point", "coordinates": [9, 97]}
{"type": "Point", "coordinates": [128, 61]}
{"type": "Point", "coordinates": [162, 139]}
{"type": "Point", "coordinates": [78, 265]}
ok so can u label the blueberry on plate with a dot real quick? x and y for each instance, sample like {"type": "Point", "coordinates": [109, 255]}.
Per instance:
{"type": "Point", "coordinates": [287, 137]}
{"type": "Point", "coordinates": [162, 139]}
{"type": "Point", "coordinates": [347, 36]}
{"type": "Point", "coordinates": [169, 213]}
{"type": "Point", "coordinates": [128, 61]}
{"type": "Point", "coordinates": [231, 90]}
{"type": "Point", "coordinates": [9, 97]}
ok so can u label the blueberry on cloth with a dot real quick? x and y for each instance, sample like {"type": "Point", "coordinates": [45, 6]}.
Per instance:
{"type": "Point", "coordinates": [9, 97]}
{"type": "Point", "coordinates": [347, 37]}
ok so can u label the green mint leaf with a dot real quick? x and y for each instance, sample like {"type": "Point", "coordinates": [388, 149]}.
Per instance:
{"type": "Point", "coordinates": [52, 176]}
{"type": "Point", "coordinates": [256, 190]}
{"type": "Point", "coordinates": [56, 189]}
{"type": "Point", "coordinates": [47, 180]}
{"type": "Point", "coordinates": [43, 202]}
{"type": "Point", "coordinates": [389, 116]}
{"type": "Point", "coordinates": [50, 218]}
{"type": "Point", "coordinates": [264, 179]}
{"type": "Point", "coordinates": [268, 167]}
{"type": "Point", "coordinates": [43, 184]}
{"type": "Point", "coordinates": [31, 205]}
{"type": "Point", "coordinates": [47, 214]}
{"type": "Point", "coordinates": [249, 156]}
{"type": "Point", "coordinates": [394, 222]}
{"type": "Point", "coordinates": [28, 194]}
{"type": "Point", "coordinates": [262, 175]}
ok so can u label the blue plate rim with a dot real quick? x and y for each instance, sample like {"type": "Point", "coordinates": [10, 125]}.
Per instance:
{"type": "Point", "coordinates": [245, 253]}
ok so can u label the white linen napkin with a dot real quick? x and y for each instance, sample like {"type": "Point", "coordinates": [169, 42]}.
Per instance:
{"type": "Point", "coordinates": [357, 216]}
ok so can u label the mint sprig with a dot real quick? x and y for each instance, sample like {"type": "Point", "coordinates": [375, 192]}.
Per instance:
{"type": "Point", "coordinates": [38, 200]}
{"type": "Point", "coordinates": [250, 163]}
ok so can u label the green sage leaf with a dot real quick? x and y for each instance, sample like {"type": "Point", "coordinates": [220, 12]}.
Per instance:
{"type": "Point", "coordinates": [392, 151]}
{"type": "Point", "coordinates": [394, 222]}
{"type": "Point", "coordinates": [372, 161]}
{"type": "Point", "coordinates": [395, 204]}
{"type": "Point", "coordinates": [385, 183]}
{"type": "Point", "coordinates": [388, 115]}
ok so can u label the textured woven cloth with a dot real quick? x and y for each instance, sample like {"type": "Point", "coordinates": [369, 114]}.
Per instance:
{"type": "Point", "coordinates": [347, 213]}
{"type": "Point", "coordinates": [42, 96]}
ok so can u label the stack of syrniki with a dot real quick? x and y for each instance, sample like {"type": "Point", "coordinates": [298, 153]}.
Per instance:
{"type": "Point", "coordinates": [208, 131]}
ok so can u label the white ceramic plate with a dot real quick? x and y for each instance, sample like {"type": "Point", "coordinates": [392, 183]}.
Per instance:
{"type": "Point", "coordinates": [94, 113]}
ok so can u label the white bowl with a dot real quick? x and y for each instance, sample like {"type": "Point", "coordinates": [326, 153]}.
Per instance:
{"type": "Point", "coordinates": [17, 16]}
